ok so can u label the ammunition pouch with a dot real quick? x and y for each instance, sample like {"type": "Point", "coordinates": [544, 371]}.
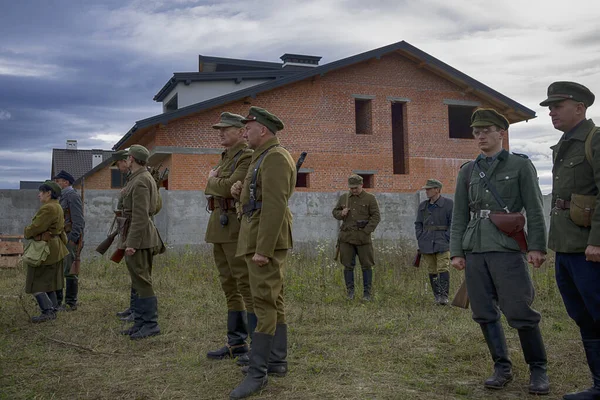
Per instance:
{"type": "Point", "coordinates": [582, 209]}
{"type": "Point", "coordinates": [511, 224]}
{"type": "Point", "coordinates": [361, 223]}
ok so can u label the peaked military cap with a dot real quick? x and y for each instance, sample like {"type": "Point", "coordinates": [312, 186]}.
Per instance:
{"type": "Point", "coordinates": [265, 118]}
{"type": "Point", "coordinates": [489, 117]}
{"type": "Point", "coordinates": [560, 91]}
{"type": "Point", "coordinates": [229, 119]}
{"type": "Point", "coordinates": [139, 152]}
{"type": "Point", "coordinates": [355, 181]}
{"type": "Point", "coordinates": [53, 186]}
{"type": "Point", "coordinates": [65, 175]}
{"type": "Point", "coordinates": [119, 156]}
{"type": "Point", "coordinates": [432, 183]}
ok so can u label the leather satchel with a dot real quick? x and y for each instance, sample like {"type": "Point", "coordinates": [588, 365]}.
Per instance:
{"type": "Point", "coordinates": [511, 224]}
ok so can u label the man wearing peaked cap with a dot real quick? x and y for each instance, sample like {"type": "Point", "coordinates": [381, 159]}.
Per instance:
{"type": "Point", "coordinates": [222, 231]}
{"type": "Point", "coordinates": [497, 275]}
{"type": "Point", "coordinates": [575, 219]}
{"type": "Point", "coordinates": [432, 228]}
{"type": "Point", "coordinates": [72, 206]}
{"type": "Point", "coordinates": [117, 156]}
{"type": "Point", "coordinates": [359, 212]}
{"type": "Point", "coordinates": [264, 240]}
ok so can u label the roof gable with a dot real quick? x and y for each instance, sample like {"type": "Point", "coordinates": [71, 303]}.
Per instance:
{"type": "Point", "coordinates": [75, 162]}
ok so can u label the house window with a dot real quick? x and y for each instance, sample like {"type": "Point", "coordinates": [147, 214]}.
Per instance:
{"type": "Point", "coordinates": [399, 138]}
{"type": "Point", "coordinates": [363, 115]}
{"type": "Point", "coordinates": [368, 180]}
{"type": "Point", "coordinates": [302, 180]}
{"type": "Point", "coordinates": [459, 121]}
{"type": "Point", "coordinates": [117, 178]}
{"type": "Point", "coordinates": [172, 104]}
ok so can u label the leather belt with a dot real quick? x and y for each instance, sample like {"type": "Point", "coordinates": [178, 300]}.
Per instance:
{"type": "Point", "coordinates": [435, 227]}
{"type": "Point", "coordinates": [562, 204]}
{"type": "Point", "coordinates": [225, 204]}
{"type": "Point", "coordinates": [483, 214]}
{"type": "Point", "coordinates": [246, 208]}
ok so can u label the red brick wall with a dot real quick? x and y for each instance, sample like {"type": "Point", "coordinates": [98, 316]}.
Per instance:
{"type": "Point", "coordinates": [319, 118]}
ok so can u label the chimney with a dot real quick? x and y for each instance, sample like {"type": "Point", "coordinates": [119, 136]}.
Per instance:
{"type": "Point", "coordinates": [299, 61]}
{"type": "Point", "coordinates": [71, 144]}
{"type": "Point", "coordinates": [96, 157]}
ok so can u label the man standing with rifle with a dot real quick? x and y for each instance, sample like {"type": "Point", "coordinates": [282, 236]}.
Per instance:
{"type": "Point", "coordinates": [72, 206]}
{"type": "Point", "coordinates": [494, 189]}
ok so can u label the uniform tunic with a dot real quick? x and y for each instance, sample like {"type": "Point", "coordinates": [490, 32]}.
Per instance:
{"type": "Point", "coordinates": [432, 229]}
{"type": "Point", "coordinates": [72, 206]}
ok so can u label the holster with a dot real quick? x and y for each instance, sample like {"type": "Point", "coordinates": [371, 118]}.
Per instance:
{"type": "Point", "coordinates": [511, 224]}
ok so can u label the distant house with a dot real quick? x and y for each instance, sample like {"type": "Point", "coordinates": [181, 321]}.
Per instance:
{"type": "Point", "coordinates": [30, 184]}
{"type": "Point", "coordinates": [395, 115]}
{"type": "Point", "coordinates": [92, 163]}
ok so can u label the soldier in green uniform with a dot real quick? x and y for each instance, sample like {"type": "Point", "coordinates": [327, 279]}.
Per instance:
{"type": "Point", "coordinates": [223, 229]}
{"type": "Point", "coordinates": [575, 219]}
{"type": "Point", "coordinates": [359, 213]}
{"type": "Point", "coordinates": [432, 229]}
{"type": "Point", "coordinates": [48, 225]}
{"type": "Point", "coordinates": [497, 276]}
{"type": "Point", "coordinates": [264, 239]}
{"type": "Point", "coordinates": [141, 241]}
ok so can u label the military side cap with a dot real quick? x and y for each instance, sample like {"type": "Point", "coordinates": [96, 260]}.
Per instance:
{"type": "Point", "coordinates": [53, 186]}
{"type": "Point", "coordinates": [139, 152]}
{"type": "Point", "coordinates": [432, 183]}
{"type": "Point", "coordinates": [264, 117]}
{"type": "Point", "coordinates": [119, 156]}
{"type": "Point", "coordinates": [355, 181]}
{"type": "Point", "coordinates": [65, 175]}
{"type": "Point", "coordinates": [229, 119]}
{"type": "Point", "coordinates": [560, 91]}
{"type": "Point", "coordinates": [489, 117]}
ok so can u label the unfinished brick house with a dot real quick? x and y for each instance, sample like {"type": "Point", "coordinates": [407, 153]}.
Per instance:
{"type": "Point", "coordinates": [394, 115]}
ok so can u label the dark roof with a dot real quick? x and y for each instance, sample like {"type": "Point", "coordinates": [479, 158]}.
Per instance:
{"type": "Point", "coordinates": [75, 162]}
{"type": "Point", "coordinates": [30, 184]}
{"type": "Point", "coordinates": [425, 61]}
{"type": "Point", "coordinates": [238, 76]}
{"type": "Point", "coordinates": [219, 64]}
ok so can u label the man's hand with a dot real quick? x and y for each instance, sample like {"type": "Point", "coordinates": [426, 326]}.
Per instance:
{"type": "Point", "coordinates": [592, 253]}
{"type": "Point", "coordinates": [129, 251]}
{"type": "Point", "coordinates": [260, 260]}
{"type": "Point", "coordinates": [213, 172]}
{"type": "Point", "coordinates": [536, 258]}
{"type": "Point", "coordinates": [345, 211]}
{"type": "Point", "coordinates": [236, 190]}
{"type": "Point", "coordinates": [459, 263]}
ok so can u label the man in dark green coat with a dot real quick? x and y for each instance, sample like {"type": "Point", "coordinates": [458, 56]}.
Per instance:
{"type": "Point", "coordinates": [264, 240]}
{"type": "Point", "coordinates": [497, 275]}
{"type": "Point", "coordinates": [359, 212]}
{"type": "Point", "coordinates": [575, 219]}
{"type": "Point", "coordinates": [223, 229]}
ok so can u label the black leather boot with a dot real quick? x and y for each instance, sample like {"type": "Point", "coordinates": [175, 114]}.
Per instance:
{"type": "Point", "coordinates": [127, 314]}
{"type": "Point", "coordinates": [237, 333]}
{"type": "Point", "coordinates": [278, 365]}
{"type": "Point", "coordinates": [349, 279]}
{"type": "Point", "coordinates": [59, 297]}
{"type": "Point", "coordinates": [367, 284]}
{"type": "Point", "coordinates": [244, 359]}
{"type": "Point", "coordinates": [148, 311]}
{"type": "Point", "coordinates": [136, 318]}
{"type": "Point", "coordinates": [435, 287]}
{"type": "Point", "coordinates": [535, 356]}
{"type": "Point", "coordinates": [71, 294]}
{"type": "Point", "coordinates": [256, 379]}
{"type": "Point", "coordinates": [592, 353]}
{"type": "Point", "coordinates": [46, 307]}
{"type": "Point", "coordinates": [494, 337]}
{"type": "Point", "coordinates": [443, 287]}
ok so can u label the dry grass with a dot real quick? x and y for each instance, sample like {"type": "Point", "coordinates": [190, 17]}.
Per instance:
{"type": "Point", "coordinates": [399, 346]}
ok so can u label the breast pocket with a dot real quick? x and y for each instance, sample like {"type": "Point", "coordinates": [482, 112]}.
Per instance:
{"type": "Point", "coordinates": [575, 170]}
{"type": "Point", "coordinates": [507, 184]}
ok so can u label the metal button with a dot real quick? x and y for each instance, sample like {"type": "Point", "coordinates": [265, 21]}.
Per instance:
{"type": "Point", "coordinates": [571, 163]}
{"type": "Point", "coordinates": [506, 177]}
{"type": "Point", "coordinates": [487, 191]}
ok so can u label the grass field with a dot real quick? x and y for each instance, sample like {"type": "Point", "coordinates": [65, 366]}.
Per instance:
{"type": "Point", "coordinates": [399, 346]}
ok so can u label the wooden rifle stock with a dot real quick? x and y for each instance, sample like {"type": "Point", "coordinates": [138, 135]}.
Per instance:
{"type": "Point", "coordinates": [417, 260]}
{"type": "Point", "coordinates": [106, 243]}
{"type": "Point", "coordinates": [461, 298]}
{"type": "Point", "coordinates": [118, 255]}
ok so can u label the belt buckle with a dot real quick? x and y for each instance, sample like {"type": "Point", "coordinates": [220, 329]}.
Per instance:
{"type": "Point", "coordinates": [484, 213]}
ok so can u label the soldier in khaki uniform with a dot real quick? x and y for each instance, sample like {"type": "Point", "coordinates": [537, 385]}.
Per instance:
{"type": "Point", "coordinates": [359, 213]}
{"type": "Point", "coordinates": [141, 241]}
{"type": "Point", "coordinates": [487, 189]}
{"type": "Point", "coordinates": [575, 219]}
{"type": "Point", "coordinates": [432, 228]}
{"type": "Point", "coordinates": [264, 239]}
{"type": "Point", "coordinates": [223, 229]}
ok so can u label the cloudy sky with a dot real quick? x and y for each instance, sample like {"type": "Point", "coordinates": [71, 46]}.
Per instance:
{"type": "Point", "coordinates": [87, 70]}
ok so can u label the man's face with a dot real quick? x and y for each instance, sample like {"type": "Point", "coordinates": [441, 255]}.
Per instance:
{"type": "Point", "coordinates": [230, 136]}
{"type": "Point", "coordinates": [566, 114]}
{"type": "Point", "coordinates": [488, 137]}
{"type": "Point", "coordinates": [254, 133]}
{"type": "Point", "coordinates": [432, 192]}
{"type": "Point", "coordinates": [356, 190]}
{"type": "Point", "coordinates": [63, 183]}
{"type": "Point", "coordinates": [128, 162]}
{"type": "Point", "coordinates": [122, 165]}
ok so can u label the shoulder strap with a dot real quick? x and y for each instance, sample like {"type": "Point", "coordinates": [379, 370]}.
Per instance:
{"type": "Point", "coordinates": [235, 159]}
{"type": "Point", "coordinates": [255, 173]}
{"type": "Point", "coordinates": [588, 144]}
{"type": "Point", "coordinates": [492, 188]}
{"type": "Point", "coordinates": [469, 172]}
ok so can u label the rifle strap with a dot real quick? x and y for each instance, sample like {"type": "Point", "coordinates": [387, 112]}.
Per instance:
{"type": "Point", "coordinates": [588, 144]}
{"type": "Point", "coordinates": [492, 188]}
{"type": "Point", "coordinates": [235, 159]}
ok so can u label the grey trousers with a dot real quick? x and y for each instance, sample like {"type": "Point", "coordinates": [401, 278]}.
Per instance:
{"type": "Point", "coordinates": [500, 281]}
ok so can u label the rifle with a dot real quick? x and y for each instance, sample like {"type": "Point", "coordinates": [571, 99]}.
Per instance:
{"type": "Point", "coordinates": [118, 255]}
{"type": "Point", "coordinates": [337, 246]}
{"type": "Point", "coordinates": [300, 161]}
{"type": "Point", "coordinates": [76, 264]}
{"type": "Point", "coordinates": [461, 298]}
{"type": "Point", "coordinates": [417, 260]}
